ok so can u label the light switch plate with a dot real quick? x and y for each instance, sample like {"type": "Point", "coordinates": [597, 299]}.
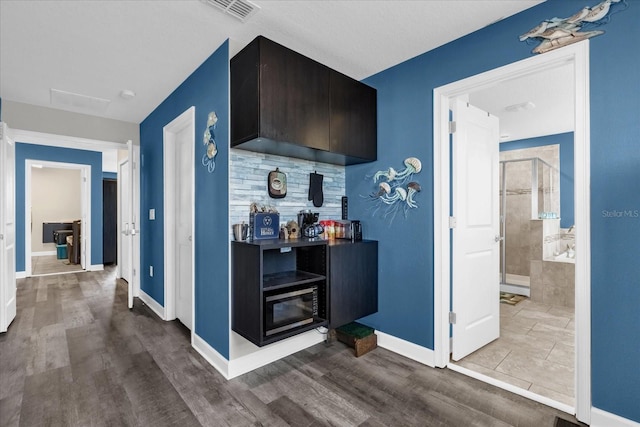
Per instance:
{"type": "Point", "coordinates": [152, 214]}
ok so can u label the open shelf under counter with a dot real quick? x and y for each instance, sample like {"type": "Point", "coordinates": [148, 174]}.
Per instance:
{"type": "Point", "coordinates": [289, 278]}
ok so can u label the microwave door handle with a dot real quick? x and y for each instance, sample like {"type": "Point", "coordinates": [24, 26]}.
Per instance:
{"type": "Point", "coordinates": [289, 294]}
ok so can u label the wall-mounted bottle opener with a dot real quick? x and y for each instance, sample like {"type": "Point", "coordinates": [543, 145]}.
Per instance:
{"type": "Point", "coordinates": [277, 184]}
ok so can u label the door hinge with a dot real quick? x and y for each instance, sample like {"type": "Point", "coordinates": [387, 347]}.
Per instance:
{"type": "Point", "coordinates": [452, 318]}
{"type": "Point", "coordinates": [1, 236]}
{"type": "Point", "coordinates": [133, 271]}
{"type": "Point", "coordinates": [452, 127]}
{"type": "Point", "coordinates": [453, 222]}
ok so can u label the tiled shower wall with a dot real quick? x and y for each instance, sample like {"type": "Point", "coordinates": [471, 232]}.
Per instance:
{"type": "Point", "coordinates": [248, 183]}
{"type": "Point", "coordinates": [518, 193]}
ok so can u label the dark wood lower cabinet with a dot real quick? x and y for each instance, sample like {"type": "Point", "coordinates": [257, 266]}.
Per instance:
{"type": "Point", "coordinates": [353, 281]}
{"type": "Point", "coordinates": [343, 274]}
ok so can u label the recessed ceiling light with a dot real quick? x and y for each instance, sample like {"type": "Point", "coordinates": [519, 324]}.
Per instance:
{"type": "Point", "coordinates": [516, 108]}
{"type": "Point", "coordinates": [127, 94]}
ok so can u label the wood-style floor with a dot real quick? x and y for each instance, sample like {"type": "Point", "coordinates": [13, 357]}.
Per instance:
{"type": "Point", "coordinates": [76, 356]}
{"type": "Point", "coordinates": [49, 264]}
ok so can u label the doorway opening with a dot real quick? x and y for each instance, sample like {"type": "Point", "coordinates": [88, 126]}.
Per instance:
{"type": "Point", "coordinates": [576, 55]}
{"type": "Point", "coordinates": [179, 217]}
{"type": "Point", "coordinates": [58, 204]}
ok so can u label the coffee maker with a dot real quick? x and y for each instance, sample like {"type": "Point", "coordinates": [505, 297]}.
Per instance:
{"type": "Point", "coordinates": [308, 220]}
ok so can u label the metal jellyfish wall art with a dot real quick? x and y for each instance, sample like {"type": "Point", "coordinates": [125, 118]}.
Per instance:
{"type": "Point", "coordinates": [208, 158]}
{"type": "Point", "coordinates": [557, 32]}
{"type": "Point", "coordinates": [392, 195]}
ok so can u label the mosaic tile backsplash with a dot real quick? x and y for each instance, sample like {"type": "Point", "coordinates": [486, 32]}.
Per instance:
{"type": "Point", "coordinates": [248, 183]}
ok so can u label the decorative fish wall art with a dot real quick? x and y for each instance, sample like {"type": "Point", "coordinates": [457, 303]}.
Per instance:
{"type": "Point", "coordinates": [558, 32]}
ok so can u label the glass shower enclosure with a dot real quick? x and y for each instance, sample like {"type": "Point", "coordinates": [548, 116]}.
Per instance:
{"type": "Point", "coordinates": [529, 190]}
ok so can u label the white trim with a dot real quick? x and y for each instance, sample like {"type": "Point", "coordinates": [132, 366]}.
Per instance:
{"type": "Point", "coordinates": [44, 253]}
{"type": "Point", "coordinates": [268, 354]}
{"type": "Point", "coordinates": [21, 274]}
{"type": "Point", "coordinates": [152, 304]}
{"type": "Point", "coordinates": [407, 349]}
{"type": "Point", "coordinates": [600, 418]}
{"type": "Point", "coordinates": [214, 358]}
{"type": "Point", "coordinates": [512, 388]}
{"type": "Point", "coordinates": [96, 267]}
{"type": "Point", "coordinates": [121, 164]}
{"type": "Point", "coordinates": [185, 120]}
{"type": "Point", "coordinates": [53, 140]}
{"type": "Point", "coordinates": [85, 209]}
{"type": "Point", "coordinates": [578, 54]}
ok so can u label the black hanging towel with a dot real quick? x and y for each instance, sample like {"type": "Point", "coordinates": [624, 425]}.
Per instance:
{"type": "Point", "coordinates": [315, 189]}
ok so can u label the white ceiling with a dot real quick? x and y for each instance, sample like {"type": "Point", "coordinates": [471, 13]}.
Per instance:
{"type": "Point", "coordinates": [98, 48]}
{"type": "Point", "coordinates": [552, 94]}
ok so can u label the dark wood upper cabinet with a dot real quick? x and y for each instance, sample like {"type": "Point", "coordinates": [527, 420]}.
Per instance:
{"type": "Point", "coordinates": [353, 117]}
{"type": "Point", "coordinates": [287, 104]}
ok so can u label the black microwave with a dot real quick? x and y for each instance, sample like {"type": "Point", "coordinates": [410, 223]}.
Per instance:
{"type": "Point", "coordinates": [289, 308]}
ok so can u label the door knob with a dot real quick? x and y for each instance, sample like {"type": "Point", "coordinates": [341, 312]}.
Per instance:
{"type": "Point", "coordinates": [498, 238]}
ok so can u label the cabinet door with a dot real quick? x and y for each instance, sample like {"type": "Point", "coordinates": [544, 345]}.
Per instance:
{"type": "Point", "coordinates": [294, 97]}
{"type": "Point", "coordinates": [245, 78]}
{"type": "Point", "coordinates": [353, 285]}
{"type": "Point", "coordinates": [353, 107]}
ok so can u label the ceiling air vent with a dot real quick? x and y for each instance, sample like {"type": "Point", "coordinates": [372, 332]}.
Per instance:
{"type": "Point", "coordinates": [241, 9]}
{"type": "Point", "coordinates": [86, 104]}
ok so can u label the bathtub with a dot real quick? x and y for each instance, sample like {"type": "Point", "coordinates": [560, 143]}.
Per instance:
{"type": "Point", "coordinates": [562, 258]}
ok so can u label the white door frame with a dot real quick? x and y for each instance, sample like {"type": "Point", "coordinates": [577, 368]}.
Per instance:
{"type": "Point", "coordinates": [52, 140]}
{"type": "Point", "coordinates": [184, 120]}
{"type": "Point", "coordinates": [578, 54]}
{"type": "Point", "coordinates": [85, 209]}
{"type": "Point", "coordinates": [119, 230]}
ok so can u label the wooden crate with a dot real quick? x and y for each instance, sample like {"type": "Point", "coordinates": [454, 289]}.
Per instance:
{"type": "Point", "coordinates": [359, 337]}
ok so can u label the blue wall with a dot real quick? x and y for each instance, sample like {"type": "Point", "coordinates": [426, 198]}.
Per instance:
{"type": "Point", "coordinates": [565, 140]}
{"type": "Point", "coordinates": [63, 155]}
{"type": "Point", "coordinates": [207, 90]}
{"type": "Point", "coordinates": [405, 128]}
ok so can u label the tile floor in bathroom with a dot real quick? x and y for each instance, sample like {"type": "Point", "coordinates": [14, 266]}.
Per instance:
{"type": "Point", "coordinates": [535, 350]}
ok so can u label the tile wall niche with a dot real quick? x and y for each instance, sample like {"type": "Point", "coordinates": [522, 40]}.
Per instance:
{"type": "Point", "coordinates": [248, 183]}
{"type": "Point", "coordinates": [518, 192]}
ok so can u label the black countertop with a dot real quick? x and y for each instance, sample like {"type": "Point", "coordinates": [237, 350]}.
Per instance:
{"type": "Point", "coordinates": [292, 243]}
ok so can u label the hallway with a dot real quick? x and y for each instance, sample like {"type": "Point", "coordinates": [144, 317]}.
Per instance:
{"type": "Point", "coordinates": [76, 356]}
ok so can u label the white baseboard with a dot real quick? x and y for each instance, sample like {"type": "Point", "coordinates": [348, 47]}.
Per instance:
{"type": "Point", "coordinates": [96, 267]}
{"type": "Point", "coordinates": [210, 354]}
{"type": "Point", "coordinates": [600, 418]}
{"type": "Point", "coordinates": [21, 274]}
{"type": "Point", "coordinates": [153, 304]}
{"type": "Point", "coordinates": [407, 349]}
{"type": "Point", "coordinates": [273, 352]}
{"type": "Point", "coordinates": [44, 253]}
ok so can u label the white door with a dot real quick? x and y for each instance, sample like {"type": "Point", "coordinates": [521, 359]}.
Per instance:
{"type": "Point", "coordinates": [124, 221]}
{"type": "Point", "coordinates": [133, 240]}
{"type": "Point", "coordinates": [7, 230]}
{"type": "Point", "coordinates": [476, 248]}
{"type": "Point", "coordinates": [184, 220]}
